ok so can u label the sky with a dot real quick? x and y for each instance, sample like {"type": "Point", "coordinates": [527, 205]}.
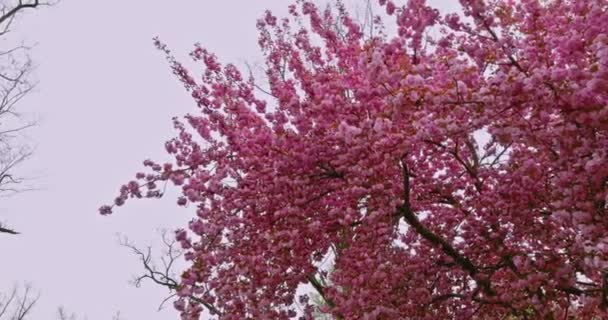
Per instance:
{"type": "Point", "coordinates": [104, 103]}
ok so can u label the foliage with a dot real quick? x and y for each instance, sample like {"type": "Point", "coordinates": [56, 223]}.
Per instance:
{"type": "Point", "coordinates": [457, 169]}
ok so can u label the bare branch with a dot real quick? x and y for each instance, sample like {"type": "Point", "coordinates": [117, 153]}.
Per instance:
{"type": "Point", "coordinates": [5, 302]}
{"type": "Point", "coordinates": [163, 276]}
{"type": "Point", "coordinates": [18, 304]}
{"type": "Point", "coordinates": [7, 230]}
{"type": "Point", "coordinates": [116, 316]}
{"type": "Point", "coordinates": [10, 14]}
{"type": "Point", "coordinates": [62, 314]}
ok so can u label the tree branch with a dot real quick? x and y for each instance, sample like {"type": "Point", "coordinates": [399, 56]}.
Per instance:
{"type": "Point", "coordinates": [410, 217]}
{"type": "Point", "coordinates": [7, 230]}
{"type": "Point", "coordinates": [21, 6]}
{"type": "Point", "coordinates": [165, 276]}
{"type": "Point", "coordinates": [321, 290]}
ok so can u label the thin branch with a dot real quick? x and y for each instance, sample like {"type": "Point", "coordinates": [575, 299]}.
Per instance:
{"type": "Point", "coordinates": [26, 305]}
{"type": "Point", "coordinates": [163, 277]}
{"type": "Point", "coordinates": [18, 306]}
{"type": "Point", "coordinates": [5, 303]}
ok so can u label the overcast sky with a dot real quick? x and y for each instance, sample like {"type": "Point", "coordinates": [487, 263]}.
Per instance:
{"type": "Point", "coordinates": [105, 100]}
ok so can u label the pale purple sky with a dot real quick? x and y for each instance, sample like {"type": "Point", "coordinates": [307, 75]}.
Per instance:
{"type": "Point", "coordinates": [105, 100]}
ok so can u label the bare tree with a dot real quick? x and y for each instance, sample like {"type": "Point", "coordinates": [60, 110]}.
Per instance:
{"type": "Point", "coordinates": [18, 303]}
{"type": "Point", "coordinates": [15, 83]}
{"type": "Point", "coordinates": [62, 314]}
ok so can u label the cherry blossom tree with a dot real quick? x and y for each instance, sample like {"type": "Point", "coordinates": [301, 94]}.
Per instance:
{"type": "Point", "coordinates": [454, 170]}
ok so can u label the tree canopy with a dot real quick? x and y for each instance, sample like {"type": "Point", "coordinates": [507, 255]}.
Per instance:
{"type": "Point", "coordinates": [456, 169]}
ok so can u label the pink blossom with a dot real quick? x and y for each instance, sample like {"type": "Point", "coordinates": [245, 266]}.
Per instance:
{"type": "Point", "coordinates": [457, 174]}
